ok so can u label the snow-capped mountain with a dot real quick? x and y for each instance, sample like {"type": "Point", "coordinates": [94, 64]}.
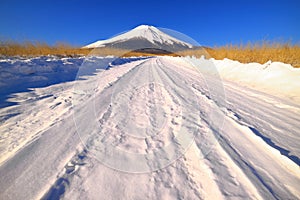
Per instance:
{"type": "Point", "coordinates": [143, 36]}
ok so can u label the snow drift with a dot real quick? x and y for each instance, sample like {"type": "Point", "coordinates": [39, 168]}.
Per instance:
{"type": "Point", "coordinates": [275, 78]}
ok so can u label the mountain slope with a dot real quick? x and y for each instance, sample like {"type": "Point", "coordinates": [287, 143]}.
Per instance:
{"type": "Point", "coordinates": [143, 36]}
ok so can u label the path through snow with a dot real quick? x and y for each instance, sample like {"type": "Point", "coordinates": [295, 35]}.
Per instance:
{"type": "Point", "coordinates": [156, 128]}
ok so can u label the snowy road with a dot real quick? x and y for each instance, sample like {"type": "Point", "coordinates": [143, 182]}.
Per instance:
{"type": "Point", "coordinates": [150, 129]}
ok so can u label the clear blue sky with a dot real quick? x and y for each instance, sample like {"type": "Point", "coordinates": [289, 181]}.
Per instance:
{"type": "Point", "coordinates": [211, 23]}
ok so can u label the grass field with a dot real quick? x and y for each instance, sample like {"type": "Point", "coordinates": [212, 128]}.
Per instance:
{"type": "Point", "coordinates": [258, 52]}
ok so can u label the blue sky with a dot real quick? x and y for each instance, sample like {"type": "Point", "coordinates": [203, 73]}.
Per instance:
{"type": "Point", "coordinates": [211, 23]}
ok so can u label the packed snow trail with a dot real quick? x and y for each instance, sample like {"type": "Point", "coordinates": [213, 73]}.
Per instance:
{"type": "Point", "coordinates": [160, 129]}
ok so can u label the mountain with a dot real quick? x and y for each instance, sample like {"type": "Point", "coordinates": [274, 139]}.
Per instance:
{"type": "Point", "coordinates": [143, 37]}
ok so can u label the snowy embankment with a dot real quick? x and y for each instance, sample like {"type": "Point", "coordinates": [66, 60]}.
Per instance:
{"type": "Point", "coordinates": [19, 74]}
{"type": "Point", "coordinates": [153, 128]}
{"type": "Point", "coordinates": [275, 78]}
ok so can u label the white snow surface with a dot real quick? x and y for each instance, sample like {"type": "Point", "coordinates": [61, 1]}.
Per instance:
{"type": "Point", "coordinates": [150, 33]}
{"type": "Point", "coordinates": [151, 128]}
{"type": "Point", "coordinates": [272, 77]}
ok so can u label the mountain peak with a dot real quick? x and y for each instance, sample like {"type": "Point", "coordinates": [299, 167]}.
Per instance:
{"type": "Point", "coordinates": [143, 26]}
{"type": "Point", "coordinates": [140, 34]}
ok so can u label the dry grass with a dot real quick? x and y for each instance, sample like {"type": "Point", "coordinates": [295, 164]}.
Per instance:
{"type": "Point", "coordinates": [39, 49]}
{"type": "Point", "coordinates": [259, 52]}
{"type": "Point", "coordinates": [105, 51]}
{"type": "Point", "coordinates": [195, 52]}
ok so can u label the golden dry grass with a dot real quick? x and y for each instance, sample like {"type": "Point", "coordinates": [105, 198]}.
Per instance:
{"type": "Point", "coordinates": [258, 52]}
{"type": "Point", "coordinates": [106, 51]}
{"type": "Point", "coordinates": [39, 49]}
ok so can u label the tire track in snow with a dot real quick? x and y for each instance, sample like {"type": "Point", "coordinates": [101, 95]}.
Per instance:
{"type": "Point", "coordinates": [63, 181]}
{"type": "Point", "coordinates": [258, 126]}
{"type": "Point", "coordinates": [169, 176]}
{"type": "Point", "coordinates": [259, 172]}
{"type": "Point", "coordinates": [173, 180]}
{"type": "Point", "coordinates": [121, 117]}
{"type": "Point", "coordinates": [262, 181]}
{"type": "Point", "coordinates": [206, 141]}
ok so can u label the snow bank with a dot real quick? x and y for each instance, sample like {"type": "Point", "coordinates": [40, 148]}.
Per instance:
{"type": "Point", "coordinates": [18, 74]}
{"type": "Point", "coordinates": [275, 78]}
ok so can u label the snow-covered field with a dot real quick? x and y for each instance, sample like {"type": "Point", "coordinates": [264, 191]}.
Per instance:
{"type": "Point", "coordinates": [148, 128]}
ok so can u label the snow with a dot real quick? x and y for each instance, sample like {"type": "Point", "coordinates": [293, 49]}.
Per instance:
{"type": "Point", "coordinates": [149, 128]}
{"type": "Point", "coordinates": [150, 33]}
{"type": "Point", "coordinates": [19, 74]}
{"type": "Point", "coordinates": [275, 78]}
